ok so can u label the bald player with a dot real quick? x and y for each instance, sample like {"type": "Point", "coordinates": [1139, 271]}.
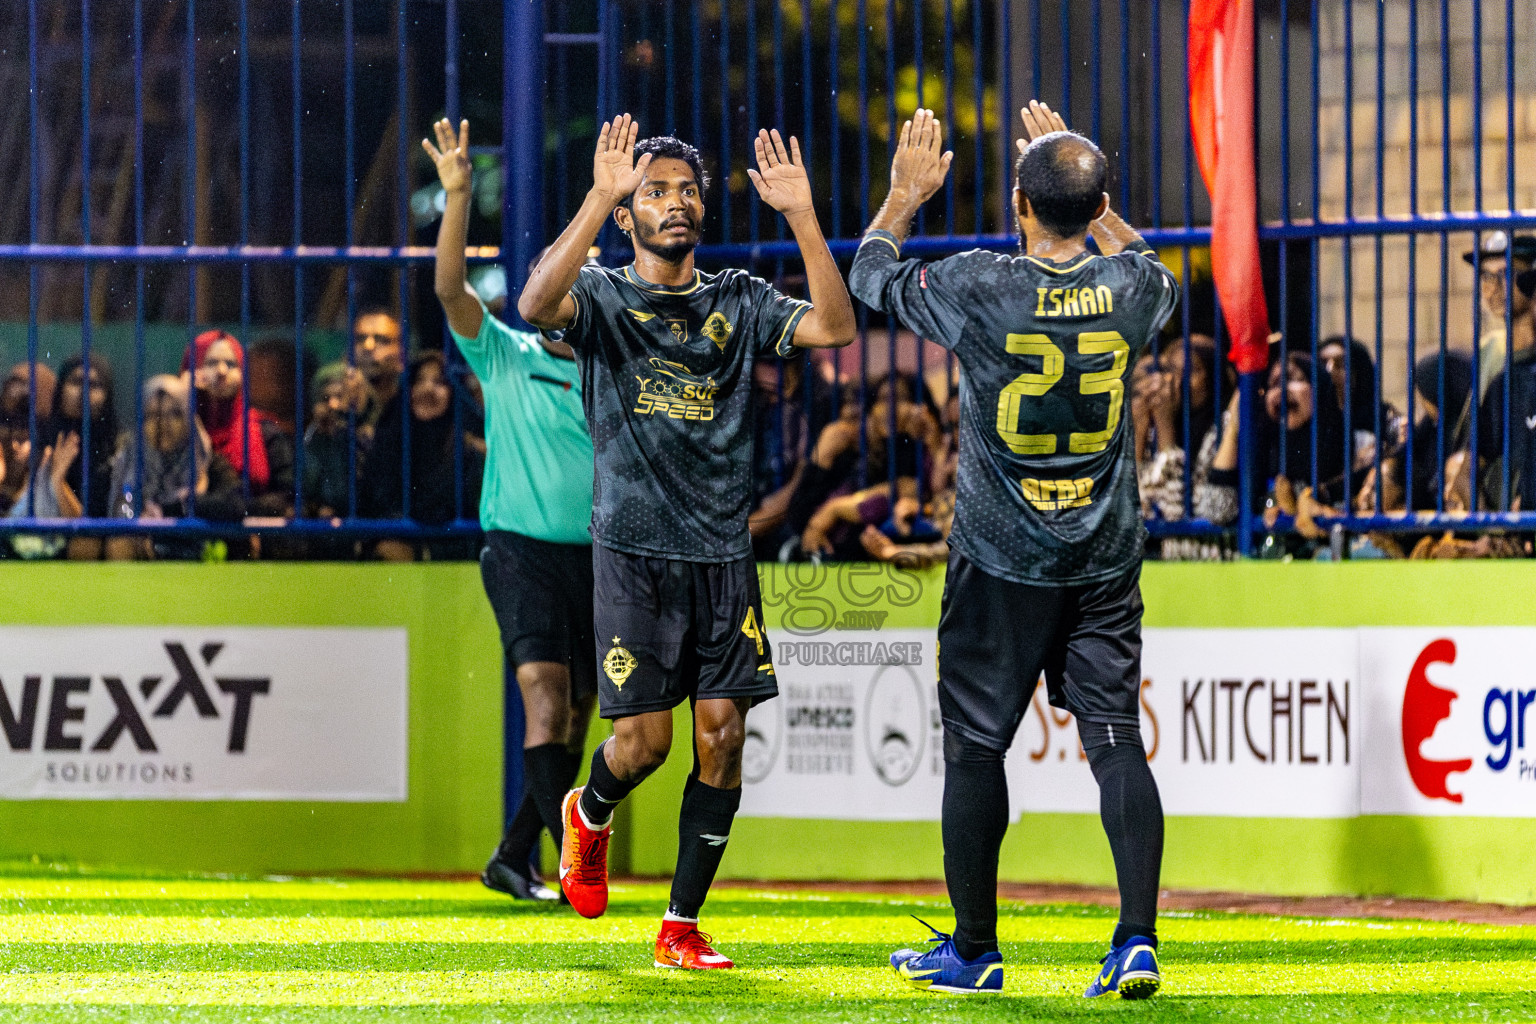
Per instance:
{"type": "Point", "coordinates": [1045, 564]}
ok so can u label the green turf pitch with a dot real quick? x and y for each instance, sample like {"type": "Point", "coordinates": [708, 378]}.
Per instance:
{"type": "Point", "coordinates": [80, 948]}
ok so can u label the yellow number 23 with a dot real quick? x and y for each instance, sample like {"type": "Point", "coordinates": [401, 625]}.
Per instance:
{"type": "Point", "coordinates": [1052, 364]}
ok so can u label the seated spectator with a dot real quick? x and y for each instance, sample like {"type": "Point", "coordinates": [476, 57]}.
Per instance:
{"type": "Point", "coordinates": [216, 364]}
{"type": "Point", "coordinates": [1493, 274]}
{"type": "Point", "coordinates": [1520, 452]}
{"type": "Point", "coordinates": [329, 466]}
{"type": "Point", "coordinates": [916, 537]}
{"type": "Point", "coordinates": [1334, 352]}
{"type": "Point", "coordinates": [785, 402]}
{"type": "Point", "coordinates": [48, 494]}
{"type": "Point", "coordinates": [16, 424]}
{"type": "Point", "coordinates": [1426, 439]}
{"type": "Point", "coordinates": [1285, 425]}
{"type": "Point", "coordinates": [272, 364]}
{"type": "Point", "coordinates": [833, 468]}
{"type": "Point", "coordinates": [378, 352]}
{"type": "Point", "coordinates": [157, 481]}
{"type": "Point", "coordinates": [1162, 477]}
{"type": "Point", "coordinates": [429, 402]}
{"type": "Point", "coordinates": [68, 418]}
{"type": "Point", "coordinates": [1143, 382]}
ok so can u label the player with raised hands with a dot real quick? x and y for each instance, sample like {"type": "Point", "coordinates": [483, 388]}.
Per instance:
{"type": "Point", "coordinates": [666, 355]}
{"type": "Point", "coordinates": [1045, 563]}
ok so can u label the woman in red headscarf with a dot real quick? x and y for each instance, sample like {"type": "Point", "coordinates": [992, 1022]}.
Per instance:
{"type": "Point", "coordinates": [218, 367]}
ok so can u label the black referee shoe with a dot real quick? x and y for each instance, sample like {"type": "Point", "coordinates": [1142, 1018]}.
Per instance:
{"type": "Point", "coordinates": [520, 885]}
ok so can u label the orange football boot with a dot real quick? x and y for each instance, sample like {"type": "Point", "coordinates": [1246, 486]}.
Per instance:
{"type": "Point", "coordinates": [681, 944]}
{"type": "Point", "coordinates": [583, 861]}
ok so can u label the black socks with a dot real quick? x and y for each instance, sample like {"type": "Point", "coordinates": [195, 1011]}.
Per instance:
{"type": "Point", "coordinates": [603, 790]}
{"type": "Point", "coordinates": [975, 820]}
{"type": "Point", "coordinates": [703, 826]}
{"type": "Point", "coordinates": [1133, 820]}
{"type": "Point", "coordinates": [517, 845]}
{"type": "Point", "coordinates": [549, 771]}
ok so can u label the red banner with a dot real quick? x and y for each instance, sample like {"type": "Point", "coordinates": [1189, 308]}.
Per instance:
{"type": "Point", "coordinates": [1221, 106]}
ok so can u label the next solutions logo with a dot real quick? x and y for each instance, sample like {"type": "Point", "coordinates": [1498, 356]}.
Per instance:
{"type": "Point", "coordinates": [134, 708]}
{"type": "Point", "coordinates": [1426, 705]}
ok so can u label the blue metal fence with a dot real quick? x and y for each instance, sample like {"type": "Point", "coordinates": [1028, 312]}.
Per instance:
{"type": "Point", "coordinates": [305, 241]}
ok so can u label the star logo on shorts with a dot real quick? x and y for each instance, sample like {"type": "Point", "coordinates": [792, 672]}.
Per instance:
{"type": "Point", "coordinates": [618, 664]}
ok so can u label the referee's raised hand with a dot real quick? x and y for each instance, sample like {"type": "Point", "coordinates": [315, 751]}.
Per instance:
{"type": "Point", "coordinates": [921, 163]}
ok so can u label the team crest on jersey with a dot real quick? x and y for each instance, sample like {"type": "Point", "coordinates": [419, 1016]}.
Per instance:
{"type": "Point", "coordinates": [618, 664]}
{"type": "Point", "coordinates": [639, 316]}
{"type": "Point", "coordinates": [679, 329]}
{"type": "Point", "coordinates": [717, 329]}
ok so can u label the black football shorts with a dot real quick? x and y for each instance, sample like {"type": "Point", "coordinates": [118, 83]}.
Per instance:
{"type": "Point", "coordinates": [996, 637]}
{"type": "Point", "coordinates": [670, 630]}
{"type": "Point", "coordinates": [541, 593]}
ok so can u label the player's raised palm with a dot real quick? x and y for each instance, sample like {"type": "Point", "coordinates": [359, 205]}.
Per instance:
{"type": "Point", "coordinates": [921, 163]}
{"type": "Point", "coordinates": [451, 155]}
{"type": "Point", "coordinates": [615, 174]}
{"type": "Point", "coordinates": [780, 174]}
{"type": "Point", "coordinates": [1039, 120]}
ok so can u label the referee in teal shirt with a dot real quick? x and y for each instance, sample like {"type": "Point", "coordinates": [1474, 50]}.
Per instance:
{"type": "Point", "coordinates": [535, 507]}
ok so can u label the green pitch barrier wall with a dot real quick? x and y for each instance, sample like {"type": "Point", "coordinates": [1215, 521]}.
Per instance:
{"type": "Point", "coordinates": [450, 821]}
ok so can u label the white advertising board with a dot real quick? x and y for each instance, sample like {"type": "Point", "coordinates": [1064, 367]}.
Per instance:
{"type": "Point", "coordinates": [1248, 723]}
{"type": "Point", "coordinates": [198, 713]}
{"type": "Point", "coordinates": [1450, 723]}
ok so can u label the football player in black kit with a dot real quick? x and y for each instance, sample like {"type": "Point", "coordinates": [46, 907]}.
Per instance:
{"type": "Point", "coordinates": [666, 356]}
{"type": "Point", "coordinates": [1044, 573]}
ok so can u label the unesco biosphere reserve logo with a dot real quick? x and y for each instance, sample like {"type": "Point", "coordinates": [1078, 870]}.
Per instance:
{"type": "Point", "coordinates": [1426, 705]}
{"type": "Point", "coordinates": [895, 724]}
{"type": "Point", "coordinates": [765, 733]}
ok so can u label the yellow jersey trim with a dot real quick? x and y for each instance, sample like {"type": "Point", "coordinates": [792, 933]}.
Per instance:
{"type": "Point", "coordinates": [882, 238]}
{"type": "Point", "coordinates": [786, 340]}
{"type": "Point", "coordinates": [1045, 265]}
{"type": "Point", "coordinates": [634, 279]}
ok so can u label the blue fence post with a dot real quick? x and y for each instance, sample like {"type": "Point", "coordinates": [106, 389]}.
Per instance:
{"type": "Point", "coordinates": [522, 234]}
{"type": "Point", "coordinates": [1247, 409]}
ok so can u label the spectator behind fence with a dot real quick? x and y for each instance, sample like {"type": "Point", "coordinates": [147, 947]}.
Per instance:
{"type": "Point", "coordinates": [68, 418]}
{"type": "Point", "coordinates": [1429, 475]}
{"type": "Point", "coordinates": [1520, 451]}
{"type": "Point", "coordinates": [16, 427]}
{"type": "Point", "coordinates": [782, 417]}
{"type": "Point", "coordinates": [47, 494]}
{"type": "Point", "coordinates": [1285, 424]}
{"type": "Point", "coordinates": [429, 402]}
{"type": "Point", "coordinates": [217, 362]}
{"type": "Point", "coordinates": [328, 465]}
{"type": "Point", "coordinates": [1360, 387]}
{"type": "Point", "coordinates": [272, 365]}
{"type": "Point", "coordinates": [834, 467]}
{"type": "Point", "coordinates": [1162, 478]}
{"type": "Point", "coordinates": [378, 351]}
{"type": "Point", "coordinates": [172, 453]}
{"type": "Point", "coordinates": [1492, 270]}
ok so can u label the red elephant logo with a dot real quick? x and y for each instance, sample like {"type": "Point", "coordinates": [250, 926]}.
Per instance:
{"type": "Point", "coordinates": [1425, 706]}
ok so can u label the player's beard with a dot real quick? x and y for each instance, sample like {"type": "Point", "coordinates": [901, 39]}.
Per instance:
{"type": "Point", "coordinates": [672, 252]}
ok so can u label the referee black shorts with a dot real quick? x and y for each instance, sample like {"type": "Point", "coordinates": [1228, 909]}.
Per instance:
{"type": "Point", "coordinates": [670, 630]}
{"type": "Point", "coordinates": [541, 593]}
{"type": "Point", "coordinates": [996, 637]}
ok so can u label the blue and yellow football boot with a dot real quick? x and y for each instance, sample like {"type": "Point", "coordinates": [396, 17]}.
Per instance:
{"type": "Point", "coordinates": [1130, 971]}
{"type": "Point", "coordinates": [941, 969]}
